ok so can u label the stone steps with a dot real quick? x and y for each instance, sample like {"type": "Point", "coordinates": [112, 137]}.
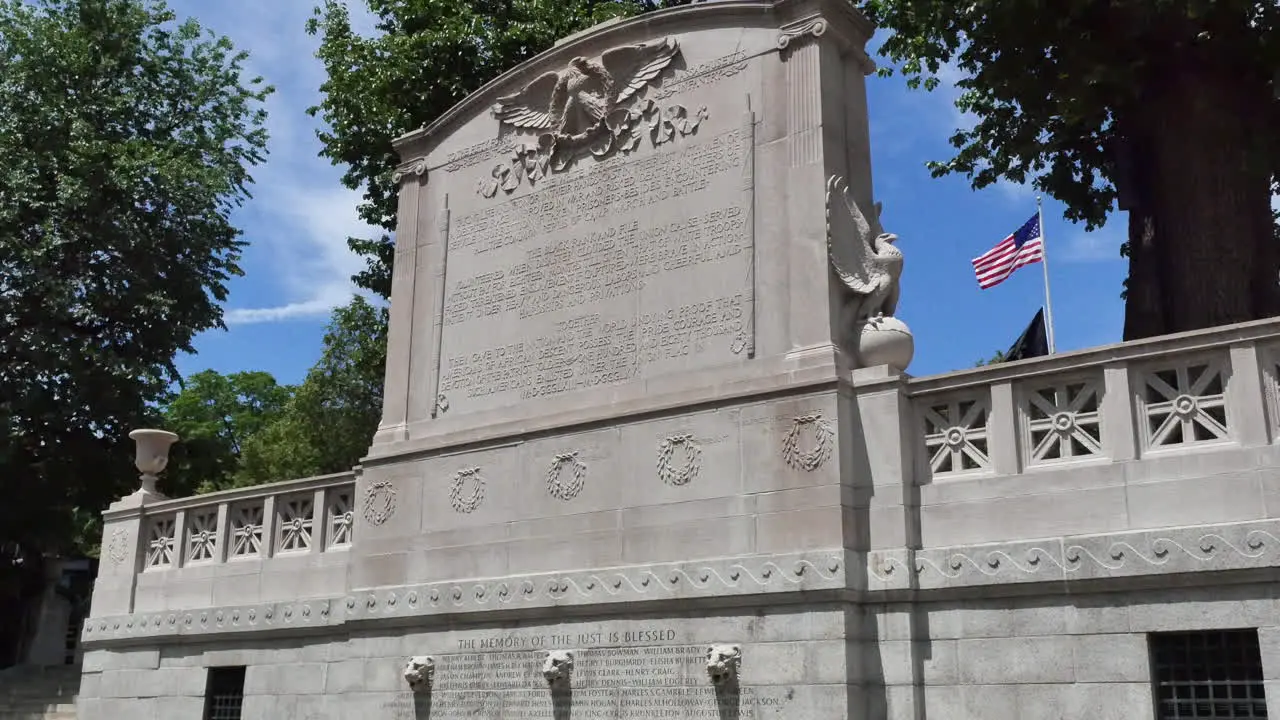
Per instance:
{"type": "Point", "coordinates": [34, 693]}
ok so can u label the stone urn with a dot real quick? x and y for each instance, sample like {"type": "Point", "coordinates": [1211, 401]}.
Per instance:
{"type": "Point", "coordinates": [152, 455]}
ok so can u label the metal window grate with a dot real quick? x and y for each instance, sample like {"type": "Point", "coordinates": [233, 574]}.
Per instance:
{"type": "Point", "coordinates": [1208, 675]}
{"type": "Point", "coordinates": [224, 694]}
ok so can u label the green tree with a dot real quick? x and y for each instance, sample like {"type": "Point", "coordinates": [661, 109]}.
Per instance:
{"type": "Point", "coordinates": [329, 423]}
{"type": "Point", "coordinates": [998, 357]}
{"type": "Point", "coordinates": [427, 56]}
{"type": "Point", "coordinates": [216, 415]}
{"type": "Point", "coordinates": [1165, 108]}
{"type": "Point", "coordinates": [126, 139]}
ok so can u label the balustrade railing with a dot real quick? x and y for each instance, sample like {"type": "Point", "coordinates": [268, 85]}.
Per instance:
{"type": "Point", "coordinates": [1179, 393]}
{"type": "Point", "coordinates": [294, 517]}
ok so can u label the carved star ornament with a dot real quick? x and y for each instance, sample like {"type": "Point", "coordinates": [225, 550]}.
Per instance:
{"type": "Point", "coordinates": [575, 103]}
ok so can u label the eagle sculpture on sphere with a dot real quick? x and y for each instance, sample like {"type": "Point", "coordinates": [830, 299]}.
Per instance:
{"type": "Point", "coordinates": [573, 102]}
{"type": "Point", "coordinates": [872, 276]}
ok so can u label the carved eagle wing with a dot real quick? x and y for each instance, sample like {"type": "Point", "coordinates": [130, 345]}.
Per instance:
{"type": "Point", "coordinates": [866, 273]}
{"type": "Point", "coordinates": [634, 66]}
{"type": "Point", "coordinates": [533, 106]}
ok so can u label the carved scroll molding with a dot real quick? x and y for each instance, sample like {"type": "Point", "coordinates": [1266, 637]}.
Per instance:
{"type": "Point", "coordinates": [743, 575]}
{"type": "Point", "coordinates": [416, 168]}
{"type": "Point", "coordinates": [791, 36]}
{"type": "Point", "coordinates": [1207, 548]}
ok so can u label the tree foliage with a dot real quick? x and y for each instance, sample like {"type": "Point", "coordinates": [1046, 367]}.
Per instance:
{"type": "Point", "coordinates": [126, 139]}
{"type": "Point", "coordinates": [1165, 108]}
{"type": "Point", "coordinates": [216, 415]}
{"type": "Point", "coordinates": [327, 426]}
{"type": "Point", "coordinates": [426, 57]}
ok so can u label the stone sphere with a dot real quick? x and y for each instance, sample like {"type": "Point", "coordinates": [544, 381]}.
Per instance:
{"type": "Point", "coordinates": [886, 341]}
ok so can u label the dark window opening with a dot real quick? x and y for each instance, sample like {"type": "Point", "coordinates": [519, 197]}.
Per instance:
{"type": "Point", "coordinates": [224, 693]}
{"type": "Point", "coordinates": [1208, 675]}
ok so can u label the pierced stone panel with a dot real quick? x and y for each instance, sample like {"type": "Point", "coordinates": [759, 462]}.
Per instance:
{"type": "Point", "coordinates": [341, 517]}
{"type": "Point", "coordinates": [1063, 420]}
{"type": "Point", "coordinates": [955, 433]}
{"type": "Point", "coordinates": [1183, 404]}
{"type": "Point", "coordinates": [161, 541]}
{"type": "Point", "coordinates": [294, 517]}
{"type": "Point", "coordinates": [202, 535]}
{"type": "Point", "coordinates": [246, 530]}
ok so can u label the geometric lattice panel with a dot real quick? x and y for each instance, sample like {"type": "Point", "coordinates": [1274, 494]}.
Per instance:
{"type": "Point", "coordinates": [202, 535]}
{"type": "Point", "coordinates": [1183, 404]}
{"type": "Point", "coordinates": [294, 522]}
{"type": "Point", "coordinates": [1064, 420]}
{"type": "Point", "coordinates": [955, 433]}
{"type": "Point", "coordinates": [340, 516]}
{"type": "Point", "coordinates": [161, 541]}
{"type": "Point", "coordinates": [246, 529]}
{"type": "Point", "coordinates": [1215, 674]}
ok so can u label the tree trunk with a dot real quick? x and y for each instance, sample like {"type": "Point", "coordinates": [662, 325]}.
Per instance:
{"type": "Point", "coordinates": [1201, 243]}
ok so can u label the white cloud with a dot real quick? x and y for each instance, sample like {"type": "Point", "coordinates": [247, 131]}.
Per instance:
{"type": "Point", "coordinates": [1086, 247]}
{"type": "Point", "coordinates": [300, 216]}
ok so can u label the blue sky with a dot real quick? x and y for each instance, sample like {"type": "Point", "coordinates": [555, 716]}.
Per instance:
{"type": "Point", "coordinates": [297, 265]}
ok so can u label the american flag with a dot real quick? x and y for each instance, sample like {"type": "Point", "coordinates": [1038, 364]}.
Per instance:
{"type": "Point", "coordinates": [1023, 247]}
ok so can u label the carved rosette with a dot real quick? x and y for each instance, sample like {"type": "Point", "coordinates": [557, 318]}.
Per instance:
{"type": "Point", "coordinates": [379, 502]}
{"type": "Point", "coordinates": [679, 472]}
{"type": "Point", "coordinates": [467, 490]}
{"type": "Point", "coordinates": [557, 485]}
{"type": "Point", "coordinates": [822, 439]}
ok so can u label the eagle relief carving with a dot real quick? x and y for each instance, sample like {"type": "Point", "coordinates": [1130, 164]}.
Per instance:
{"type": "Point", "coordinates": [593, 106]}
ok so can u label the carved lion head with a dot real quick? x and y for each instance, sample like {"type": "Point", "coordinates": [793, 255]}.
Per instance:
{"type": "Point", "coordinates": [722, 663]}
{"type": "Point", "coordinates": [558, 666]}
{"type": "Point", "coordinates": [419, 672]}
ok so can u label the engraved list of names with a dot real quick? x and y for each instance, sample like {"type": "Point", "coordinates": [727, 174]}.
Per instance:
{"type": "Point", "coordinates": [615, 271]}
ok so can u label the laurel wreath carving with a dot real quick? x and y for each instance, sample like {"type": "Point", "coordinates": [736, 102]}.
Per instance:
{"type": "Point", "coordinates": [823, 438]}
{"type": "Point", "coordinates": [559, 488]}
{"type": "Point", "coordinates": [379, 502]}
{"type": "Point", "coordinates": [468, 502]}
{"type": "Point", "coordinates": [692, 459]}
{"type": "Point", "coordinates": [117, 550]}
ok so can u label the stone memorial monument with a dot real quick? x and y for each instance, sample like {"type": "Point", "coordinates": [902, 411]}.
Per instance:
{"type": "Point", "coordinates": [629, 277]}
{"type": "Point", "coordinates": [648, 449]}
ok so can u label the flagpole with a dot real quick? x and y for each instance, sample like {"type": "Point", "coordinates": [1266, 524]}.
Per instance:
{"type": "Point", "coordinates": [1044, 250]}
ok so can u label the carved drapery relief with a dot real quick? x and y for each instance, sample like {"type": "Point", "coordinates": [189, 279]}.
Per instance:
{"type": "Point", "coordinates": [566, 476]}
{"type": "Point", "coordinates": [419, 672]}
{"type": "Point", "coordinates": [589, 108]}
{"type": "Point", "coordinates": [118, 548]}
{"type": "Point", "coordinates": [467, 490]}
{"type": "Point", "coordinates": [379, 502]}
{"type": "Point", "coordinates": [679, 472]}
{"type": "Point", "coordinates": [822, 438]}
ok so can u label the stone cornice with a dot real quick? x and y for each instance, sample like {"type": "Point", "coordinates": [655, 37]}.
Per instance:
{"type": "Point", "coordinates": [716, 578]}
{"type": "Point", "coordinates": [1076, 558]}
